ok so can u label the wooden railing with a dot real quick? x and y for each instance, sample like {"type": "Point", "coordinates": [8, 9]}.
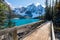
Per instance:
{"type": "Point", "coordinates": [52, 32]}
{"type": "Point", "coordinates": [11, 33]}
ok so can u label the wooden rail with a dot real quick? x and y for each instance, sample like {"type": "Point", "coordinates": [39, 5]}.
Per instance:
{"type": "Point", "coordinates": [52, 32]}
{"type": "Point", "coordinates": [11, 33]}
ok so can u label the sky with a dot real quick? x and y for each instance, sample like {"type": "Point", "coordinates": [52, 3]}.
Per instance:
{"type": "Point", "coordinates": [24, 3]}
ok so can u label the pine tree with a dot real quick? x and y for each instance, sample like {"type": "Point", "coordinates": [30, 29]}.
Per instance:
{"type": "Point", "coordinates": [56, 13]}
{"type": "Point", "coordinates": [4, 7]}
{"type": "Point", "coordinates": [2, 15]}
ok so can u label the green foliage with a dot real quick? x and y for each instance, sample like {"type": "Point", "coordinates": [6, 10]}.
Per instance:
{"type": "Point", "coordinates": [48, 11]}
{"type": "Point", "coordinates": [42, 17]}
{"type": "Point", "coordinates": [48, 14]}
{"type": "Point", "coordinates": [3, 16]}
{"type": "Point", "coordinates": [56, 14]}
{"type": "Point", "coordinates": [3, 6]}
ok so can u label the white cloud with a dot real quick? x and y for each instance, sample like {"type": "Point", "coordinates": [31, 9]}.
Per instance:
{"type": "Point", "coordinates": [20, 6]}
{"type": "Point", "coordinates": [9, 4]}
{"type": "Point", "coordinates": [29, 4]}
{"type": "Point", "coordinates": [44, 6]}
{"type": "Point", "coordinates": [37, 4]}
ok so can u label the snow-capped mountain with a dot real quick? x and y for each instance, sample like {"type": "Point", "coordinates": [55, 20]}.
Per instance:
{"type": "Point", "coordinates": [30, 11]}
{"type": "Point", "coordinates": [31, 8]}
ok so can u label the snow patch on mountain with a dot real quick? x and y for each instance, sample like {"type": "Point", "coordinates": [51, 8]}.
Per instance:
{"type": "Point", "coordinates": [34, 9]}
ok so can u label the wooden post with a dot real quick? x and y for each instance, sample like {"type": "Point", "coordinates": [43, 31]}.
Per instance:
{"type": "Point", "coordinates": [0, 38]}
{"type": "Point", "coordinates": [15, 35]}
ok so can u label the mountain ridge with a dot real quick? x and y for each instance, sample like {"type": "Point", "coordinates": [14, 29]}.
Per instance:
{"type": "Point", "coordinates": [33, 9]}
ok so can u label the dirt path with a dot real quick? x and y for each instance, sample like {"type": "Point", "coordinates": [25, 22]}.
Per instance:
{"type": "Point", "coordinates": [42, 33]}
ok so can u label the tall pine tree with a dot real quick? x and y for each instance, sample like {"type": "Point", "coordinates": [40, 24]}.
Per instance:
{"type": "Point", "coordinates": [3, 8]}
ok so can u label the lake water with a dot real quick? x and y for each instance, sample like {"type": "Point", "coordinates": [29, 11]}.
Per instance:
{"type": "Point", "coordinates": [19, 22]}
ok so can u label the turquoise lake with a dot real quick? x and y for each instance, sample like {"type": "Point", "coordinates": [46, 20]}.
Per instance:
{"type": "Point", "coordinates": [19, 22]}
